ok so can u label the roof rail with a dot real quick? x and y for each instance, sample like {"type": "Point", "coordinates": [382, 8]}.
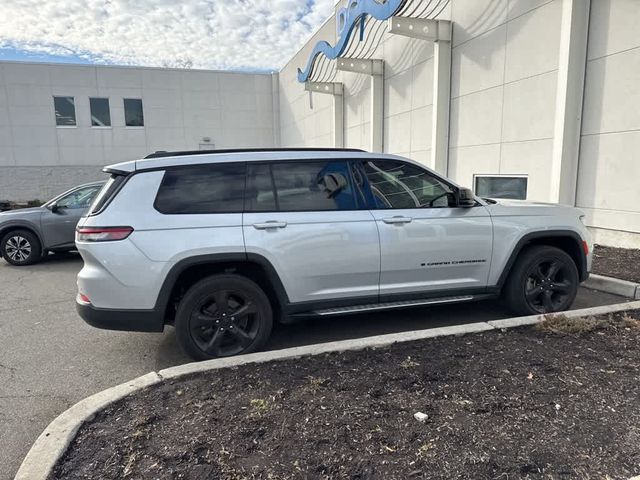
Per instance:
{"type": "Point", "coordinates": [161, 154]}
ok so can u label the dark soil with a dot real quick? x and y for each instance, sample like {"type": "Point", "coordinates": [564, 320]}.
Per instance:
{"type": "Point", "coordinates": [623, 263]}
{"type": "Point", "coordinates": [561, 400]}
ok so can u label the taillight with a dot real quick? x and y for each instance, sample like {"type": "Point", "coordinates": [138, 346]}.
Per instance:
{"type": "Point", "coordinates": [585, 247]}
{"type": "Point", "coordinates": [83, 299]}
{"type": "Point", "coordinates": [102, 234]}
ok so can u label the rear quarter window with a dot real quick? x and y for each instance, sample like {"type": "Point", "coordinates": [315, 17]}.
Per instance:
{"type": "Point", "coordinates": [202, 189]}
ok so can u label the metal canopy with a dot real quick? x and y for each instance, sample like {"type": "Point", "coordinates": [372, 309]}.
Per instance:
{"type": "Point", "coordinates": [329, 88]}
{"type": "Point", "coordinates": [358, 65]}
{"type": "Point", "coordinates": [359, 31]}
{"type": "Point", "coordinates": [421, 28]}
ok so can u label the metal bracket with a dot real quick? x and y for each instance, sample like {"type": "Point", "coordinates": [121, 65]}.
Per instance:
{"type": "Point", "coordinates": [422, 28]}
{"type": "Point", "coordinates": [358, 65]}
{"type": "Point", "coordinates": [330, 88]}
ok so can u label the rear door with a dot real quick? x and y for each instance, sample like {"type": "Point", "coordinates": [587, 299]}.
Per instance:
{"type": "Point", "coordinates": [309, 219]}
{"type": "Point", "coordinates": [427, 244]}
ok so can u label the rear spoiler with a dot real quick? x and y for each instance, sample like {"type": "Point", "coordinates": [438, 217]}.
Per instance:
{"type": "Point", "coordinates": [115, 171]}
{"type": "Point", "coordinates": [122, 168]}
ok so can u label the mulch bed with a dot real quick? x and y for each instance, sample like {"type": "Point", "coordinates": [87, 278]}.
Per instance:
{"type": "Point", "coordinates": [561, 400]}
{"type": "Point", "coordinates": [623, 263]}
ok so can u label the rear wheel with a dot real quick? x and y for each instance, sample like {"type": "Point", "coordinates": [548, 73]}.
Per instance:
{"type": "Point", "coordinates": [543, 280]}
{"type": "Point", "coordinates": [21, 247]}
{"type": "Point", "coordinates": [223, 315]}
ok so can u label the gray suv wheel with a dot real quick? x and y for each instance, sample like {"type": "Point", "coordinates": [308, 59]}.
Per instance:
{"type": "Point", "coordinates": [21, 247]}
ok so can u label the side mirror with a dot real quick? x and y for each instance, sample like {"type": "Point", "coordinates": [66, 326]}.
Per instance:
{"type": "Point", "coordinates": [54, 208]}
{"type": "Point", "coordinates": [466, 198]}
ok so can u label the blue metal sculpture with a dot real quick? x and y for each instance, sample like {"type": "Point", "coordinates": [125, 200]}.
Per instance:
{"type": "Point", "coordinates": [346, 21]}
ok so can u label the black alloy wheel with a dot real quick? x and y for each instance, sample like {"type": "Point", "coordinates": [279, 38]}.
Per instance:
{"type": "Point", "coordinates": [223, 315]}
{"type": "Point", "coordinates": [225, 323]}
{"type": "Point", "coordinates": [544, 279]}
{"type": "Point", "coordinates": [548, 286]}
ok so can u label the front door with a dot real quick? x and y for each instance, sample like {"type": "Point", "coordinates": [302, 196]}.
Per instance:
{"type": "Point", "coordinates": [59, 223]}
{"type": "Point", "coordinates": [309, 220]}
{"type": "Point", "coordinates": [427, 244]}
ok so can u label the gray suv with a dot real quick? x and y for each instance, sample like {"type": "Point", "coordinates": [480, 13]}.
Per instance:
{"type": "Point", "coordinates": [27, 234]}
{"type": "Point", "coordinates": [221, 244]}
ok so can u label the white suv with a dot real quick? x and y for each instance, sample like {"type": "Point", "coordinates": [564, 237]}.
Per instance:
{"type": "Point", "coordinates": [221, 243]}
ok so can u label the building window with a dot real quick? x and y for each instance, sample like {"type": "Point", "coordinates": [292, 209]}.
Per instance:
{"type": "Point", "coordinates": [501, 187]}
{"type": "Point", "coordinates": [133, 116]}
{"type": "Point", "coordinates": [65, 111]}
{"type": "Point", "coordinates": [100, 115]}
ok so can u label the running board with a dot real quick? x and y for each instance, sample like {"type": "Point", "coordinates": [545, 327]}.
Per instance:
{"type": "Point", "coordinates": [372, 307]}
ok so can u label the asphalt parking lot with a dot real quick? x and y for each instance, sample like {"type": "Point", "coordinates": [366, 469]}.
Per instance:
{"type": "Point", "coordinates": [50, 359]}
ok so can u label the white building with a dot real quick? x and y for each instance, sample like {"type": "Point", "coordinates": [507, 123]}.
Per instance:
{"type": "Point", "coordinates": [59, 124]}
{"type": "Point", "coordinates": [538, 99]}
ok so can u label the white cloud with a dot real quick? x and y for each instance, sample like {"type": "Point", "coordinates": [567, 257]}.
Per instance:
{"type": "Point", "coordinates": [216, 34]}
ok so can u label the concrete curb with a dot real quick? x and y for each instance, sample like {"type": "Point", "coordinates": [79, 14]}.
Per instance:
{"type": "Point", "coordinates": [53, 442]}
{"type": "Point", "coordinates": [613, 285]}
{"type": "Point", "coordinates": [56, 438]}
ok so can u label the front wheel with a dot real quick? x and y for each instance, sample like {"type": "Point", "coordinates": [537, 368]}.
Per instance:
{"type": "Point", "coordinates": [543, 280]}
{"type": "Point", "coordinates": [21, 247]}
{"type": "Point", "coordinates": [223, 315]}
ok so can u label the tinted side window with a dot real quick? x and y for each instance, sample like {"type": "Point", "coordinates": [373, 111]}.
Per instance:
{"type": "Point", "coordinates": [260, 193]}
{"type": "Point", "coordinates": [313, 186]}
{"type": "Point", "coordinates": [202, 189]}
{"type": "Point", "coordinates": [402, 185]}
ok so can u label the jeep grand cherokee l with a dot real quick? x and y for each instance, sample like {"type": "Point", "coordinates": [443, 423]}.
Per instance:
{"type": "Point", "coordinates": [219, 244]}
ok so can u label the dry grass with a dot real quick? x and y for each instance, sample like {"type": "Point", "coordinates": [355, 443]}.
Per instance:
{"type": "Point", "coordinates": [259, 406]}
{"type": "Point", "coordinates": [315, 383]}
{"type": "Point", "coordinates": [409, 363]}
{"type": "Point", "coordinates": [583, 325]}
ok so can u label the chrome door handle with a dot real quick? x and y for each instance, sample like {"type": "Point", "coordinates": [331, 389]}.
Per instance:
{"type": "Point", "coordinates": [394, 220]}
{"type": "Point", "coordinates": [269, 224]}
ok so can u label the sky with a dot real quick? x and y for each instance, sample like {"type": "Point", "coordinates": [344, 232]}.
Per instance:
{"type": "Point", "coordinates": [248, 35]}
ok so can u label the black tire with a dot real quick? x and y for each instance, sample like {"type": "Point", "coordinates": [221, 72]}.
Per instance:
{"type": "Point", "coordinates": [20, 248]}
{"type": "Point", "coordinates": [242, 323]}
{"type": "Point", "coordinates": [544, 279]}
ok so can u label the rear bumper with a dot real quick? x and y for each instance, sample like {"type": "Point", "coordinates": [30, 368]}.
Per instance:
{"type": "Point", "coordinates": [123, 320]}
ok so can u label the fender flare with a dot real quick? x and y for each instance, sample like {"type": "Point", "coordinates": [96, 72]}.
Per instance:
{"type": "Point", "coordinates": [527, 238]}
{"type": "Point", "coordinates": [241, 257]}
